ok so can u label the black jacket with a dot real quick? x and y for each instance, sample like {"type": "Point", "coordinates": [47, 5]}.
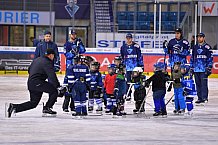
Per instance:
{"type": "Point", "coordinates": [158, 80]}
{"type": "Point", "coordinates": [42, 68]}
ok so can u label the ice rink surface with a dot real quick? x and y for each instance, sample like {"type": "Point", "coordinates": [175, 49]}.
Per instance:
{"type": "Point", "coordinates": [29, 127]}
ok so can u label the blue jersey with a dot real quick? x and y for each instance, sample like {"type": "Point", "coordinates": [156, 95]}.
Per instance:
{"type": "Point", "coordinates": [120, 85]}
{"type": "Point", "coordinates": [189, 87]}
{"type": "Point", "coordinates": [95, 81]}
{"type": "Point", "coordinates": [139, 81]}
{"type": "Point", "coordinates": [71, 49]}
{"type": "Point", "coordinates": [42, 48]}
{"type": "Point", "coordinates": [178, 50]}
{"type": "Point", "coordinates": [131, 55]}
{"type": "Point", "coordinates": [78, 72]}
{"type": "Point", "coordinates": [202, 57]}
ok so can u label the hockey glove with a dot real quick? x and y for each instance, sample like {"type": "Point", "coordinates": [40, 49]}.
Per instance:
{"type": "Point", "coordinates": [116, 92]}
{"type": "Point", "coordinates": [185, 93]}
{"type": "Point", "coordinates": [62, 90]}
{"type": "Point", "coordinates": [208, 71]}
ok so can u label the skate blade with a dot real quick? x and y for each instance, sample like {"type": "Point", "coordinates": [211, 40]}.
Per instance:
{"type": "Point", "coordinates": [48, 115]}
{"type": "Point", "coordinates": [77, 117]}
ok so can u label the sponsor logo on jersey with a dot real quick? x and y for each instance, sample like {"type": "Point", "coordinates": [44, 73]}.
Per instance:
{"type": "Point", "coordinates": [79, 70]}
{"type": "Point", "coordinates": [131, 56]}
{"type": "Point", "coordinates": [201, 56]}
{"type": "Point", "coordinates": [199, 51]}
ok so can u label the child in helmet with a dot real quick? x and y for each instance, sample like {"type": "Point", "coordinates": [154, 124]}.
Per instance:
{"type": "Point", "coordinates": [120, 90]}
{"type": "Point", "coordinates": [109, 84]}
{"type": "Point", "coordinates": [158, 80]}
{"type": "Point", "coordinates": [139, 95]}
{"type": "Point", "coordinates": [179, 99]}
{"type": "Point", "coordinates": [189, 89]}
{"type": "Point", "coordinates": [117, 62]}
{"type": "Point", "coordinates": [96, 84]}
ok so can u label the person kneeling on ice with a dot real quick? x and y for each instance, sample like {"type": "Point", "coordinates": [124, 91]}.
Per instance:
{"type": "Point", "coordinates": [109, 84]}
{"type": "Point", "coordinates": [189, 89]}
{"type": "Point", "coordinates": [140, 92]}
{"type": "Point", "coordinates": [120, 90]}
{"type": "Point", "coordinates": [41, 68]}
{"type": "Point", "coordinates": [95, 93]}
{"type": "Point", "coordinates": [179, 99]}
{"type": "Point", "coordinates": [159, 79]}
{"type": "Point", "coordinates": [79, 81]}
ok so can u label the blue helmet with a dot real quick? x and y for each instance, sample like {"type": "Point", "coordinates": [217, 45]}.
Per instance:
{"type": "Point", "coordinates": [129, 35]}
{"type": "Point", "coordinates": [185, 66]}
{"type": "Point", "coordinates": [111, 65]}
{"type": "Point", "coordinates": [159, 65]}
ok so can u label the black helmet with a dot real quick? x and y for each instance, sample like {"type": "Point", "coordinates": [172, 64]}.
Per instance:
{"type": "Point", "coordinates": [82, 58]}
{"type": "Point", "coordinates": [119, 58]}
{"type": "Point", "coordinates": [179, 30]}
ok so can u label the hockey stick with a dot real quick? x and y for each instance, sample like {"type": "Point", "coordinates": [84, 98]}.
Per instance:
{"type": "Point", "coordinates": [130, 87]}
{"type": "Point", "coordinates": [170, 100]}
{"type": "Point", "coordinates": [144, 101]}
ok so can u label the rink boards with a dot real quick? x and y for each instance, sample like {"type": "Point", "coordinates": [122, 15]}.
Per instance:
{"type": "Point", "coordinates": [19, 58]}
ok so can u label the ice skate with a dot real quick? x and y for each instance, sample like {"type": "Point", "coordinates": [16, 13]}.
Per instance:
{"type": "Point", "coordinates": [73, 112]}
{"type": "Point", "coordinates": [47, 112]}
{"type": "Point", "coordinates": [135, 111]}
{"type": "Point", "coordinates": [200, 103]}
{"type": "Point", "coordinates": [157, 114]}
{"type": "Point", "coordinates": [90, 109]}
{"type": "Point", "coordinates": [175, 112]}
{"type": "Point", "coordinates": [181, 112]}
{"type": "Point", "coordinates": [99, 111]}
{"type": "Point", "coordinates": [77, 115]}
{"type": "Point", "coordinates": [10, 111]}
{"type": "Point", "coordinates": [164, 114]}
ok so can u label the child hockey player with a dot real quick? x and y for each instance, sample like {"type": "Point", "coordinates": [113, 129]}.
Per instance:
{"type": "Point", "coordinates": [117, 62]}
{"type": "Point", "coordinates": [159, 88]}
{"type": "Point", "coordinates": [69, 95]}
{"type": "Point", "coordinates": [109, 84]}
{"type": "Point", "coordinates": [189, 90]}
{"type": "Point", "coordinates": [79, 80]}
{"type": "Point", "coordinates": [119, 91]}
{"type": "Point", "coordinates": [139, 95]}
{"type": "Point", "coordinates": [178, 89]}
{"type": "Point", "coordinates": [95, 92]}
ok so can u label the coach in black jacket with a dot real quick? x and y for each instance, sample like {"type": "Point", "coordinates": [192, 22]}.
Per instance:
{"type": "Point", "coordinates": [42, 68]}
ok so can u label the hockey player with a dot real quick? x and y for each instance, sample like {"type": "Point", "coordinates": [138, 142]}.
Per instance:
{"type": "Point", "coordinates": [120, 90]}
{"type": "Point", "coordinates": [95, 93]}
{"type": "Point", "coordinates": [189, 90]}
{"type": "Point", "coordinates": [131, 57]}
{"type": "Point", "coordinates": [117, 62]}
{"type": "Point", "coordinates": [201, 66]}
{"type": "Point", "coordinates": [40, 69]}
{"type": "Point", "coordinates": [139, 95]}
{"type": "Point", "coordinates": [109, 85]}
{"type": "Point", "coordinates": [72, 49]}
{"type": "Point", "coordinates": [179, 99]}
{"type": "Point", "coordinates": [79, 81]}
{"type": "Point", "coordinates": [46, 44]}
{"type": "Point", "coordinates": [177, 48]}
{"type": "Point", "coordinates": [159, 88]}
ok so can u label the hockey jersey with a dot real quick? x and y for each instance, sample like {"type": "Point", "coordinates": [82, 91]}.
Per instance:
{"type": "Point", "coordinates": [109, 83]}
{"type": "Point", "coordinates": [139, 81]}
{"type": "Point", "coordinates": [189, 87]}
{"type": "Point", "coordinates": [178, 50]}
{"type": "Point", "coordinates": [202, 57]}
{"type": "Point", "coordinates": [78, 72]}
{"type": "Point", "coordinates": [71, 49]}
{"type": "Point", "coordinates": [131, 55]}
{"type": "Point", "coordinates": [120, 85]}
{"type": "Point", "coordinates": [95, 81]}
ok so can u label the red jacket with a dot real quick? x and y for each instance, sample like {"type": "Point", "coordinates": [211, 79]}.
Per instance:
{"type": "Point", "coordinates": [109, 83]}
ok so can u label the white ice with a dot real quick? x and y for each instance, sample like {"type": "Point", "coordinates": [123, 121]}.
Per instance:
{"type": "Point", "coordinates": [29, 127]}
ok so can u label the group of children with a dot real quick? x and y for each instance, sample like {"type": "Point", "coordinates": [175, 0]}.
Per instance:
{"type": "Point", "coordinates": [85, 82]}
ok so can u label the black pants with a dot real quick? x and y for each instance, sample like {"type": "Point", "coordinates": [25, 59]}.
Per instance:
{"type": "Point", "coordinates": [36, 90]}
{"type": "Point", "coordinates": [68, 100]}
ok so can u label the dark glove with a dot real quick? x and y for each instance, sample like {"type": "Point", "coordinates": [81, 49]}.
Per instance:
{"type": "Point", "coordinates": [177, 80]}
{"type": "Point", "coordinates": [208, 71]}
{"type": "Point", "coordinates": [116, 92]}
{"type": "Point", "coordinates": [165, 44]}
{"type": "Point", "coordinates": [185, 93]}
{"type": "Point", "coordinates": [62, 90]}
{"type": "Point", "coordinates": [88, 87]}
{"type": "Point", "coordinates": [57, 67]}
{"type": "Point", "coordinates": [191, 71]}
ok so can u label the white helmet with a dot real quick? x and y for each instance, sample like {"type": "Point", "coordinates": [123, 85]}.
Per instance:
{"type": "Point", "coordinates": [138, 69]}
